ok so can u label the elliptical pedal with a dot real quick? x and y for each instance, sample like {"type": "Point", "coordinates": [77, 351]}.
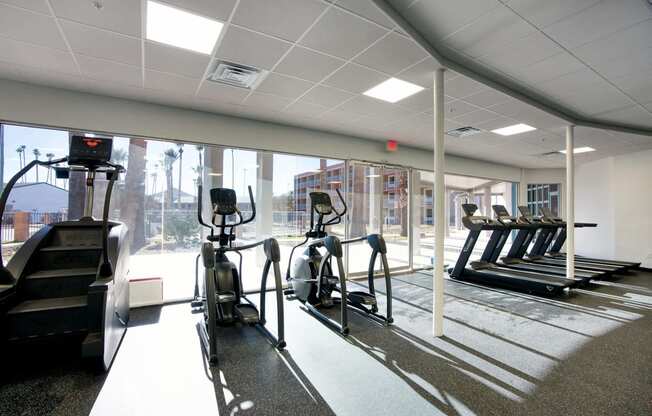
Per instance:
{"type": "Point", "coordinates": [362, 298]}
{"type": "Point", "coordinates": [246, 314]}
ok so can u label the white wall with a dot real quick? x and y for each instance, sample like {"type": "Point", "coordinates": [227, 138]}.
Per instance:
{"type": "Point", "coordinates": [616, 193]}
{"type": "Point", "coordinates": [39, 105]}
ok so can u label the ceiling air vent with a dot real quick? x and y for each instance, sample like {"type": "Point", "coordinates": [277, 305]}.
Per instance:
{"type": "Point", "coordinates": [463, 132]}
{"type": "Point", "coordinates": [236, 75]}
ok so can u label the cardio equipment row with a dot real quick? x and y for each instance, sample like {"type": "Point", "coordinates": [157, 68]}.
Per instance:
{"type": "Point", "coordinates": [542, 270]}
{"type": "Point", "coordinates": [311, 279]}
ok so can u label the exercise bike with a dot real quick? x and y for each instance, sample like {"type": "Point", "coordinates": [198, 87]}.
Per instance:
{"type": "Point", "coordinates": [311, 279]}
{"type": "Point", "coordinates": [222, 299]}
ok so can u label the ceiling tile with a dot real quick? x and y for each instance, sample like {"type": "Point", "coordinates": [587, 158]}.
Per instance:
{"type": "Point", "coordinates": [210, 8]}
{"type": "Point", "coordinates": [119, 16]}
{"type": "Point", "coordinates": [441, 18]}
{"type": "Point", "coordinates": [475, 117]}
{"type": "Point", "coordinates": [283, 86]}
{"type": "Point", "coordinates": [36, 5]}
{"type": "Point", "coordinates": [488, 32]}
{"type": "Point", "coordinates": [392, 54]}
{"type": "Point", "coordinates": [632, 115]}
{"type": "Point", "coordinates": [460, 87]}
{"type": "Point", "coordinates": [456, 108]}
{"type": "Point", "coordinates": [287, 19]}
{"type": "Point", "coordinates": [101, 43]}
{"type": "Point", "coordinates": [175, 60]}
{"type": "Point", "coordinates": [246, 47]}
{"type": "Point", "coordinates": [38, 57]}
{"type": "Point", "coordinates": [509, 108]}
{"type": "Point", "coordinates": [267, 101]}
{"type": "Point", "coordinates": [486, 98]}
{"type": "Point", "coordinates": [326, 96]}
{"type": "Point", "coordinates": [222, 93]}
{"type": "Point", "coordinates": [522, 52]}
{"type": "Point", "coordinates": [599, 20]}
{"type": "Point", "coordinates": [355, 78]}
{"type": "Point", "coordinates": [30, 27]}
{"type": "Point", "coordinates": [544, 13]}
{"type": "Point", "coordinates": [101, 69]}
{"type": "Point", "coordinates": [370, 106]}
{"type": "Point", "coordinates": [420, 101]}
{"type": "Point", "coordinates": [548, 69]}
{"type": "Point", "coordinates": [368, 9]}
{"type": "Point", "coordinates": [600, 98]}
{"type": "Point", "coordinates": [306, 109]}
{"type": "Point", "coordinates": [307, 64]}
{"type": "Point", "coordinates": [422, 73]}
{"type": "Point", "coordinates": [618, 45]}
{"type": "Point", "coordinates": [341, 34]}
{"type": "Point", "coordinates": [173, 83]}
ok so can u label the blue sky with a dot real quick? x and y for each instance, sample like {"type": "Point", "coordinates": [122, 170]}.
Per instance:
{"type": "Point", "coordinates": [56, 141]}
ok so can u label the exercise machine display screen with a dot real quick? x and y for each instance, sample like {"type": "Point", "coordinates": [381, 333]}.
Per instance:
{"type": "Point", "coordinates": [89, 150]}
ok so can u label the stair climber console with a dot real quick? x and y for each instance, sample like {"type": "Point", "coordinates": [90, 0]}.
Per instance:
{"type": "Point", "coordinates": [69, 279]}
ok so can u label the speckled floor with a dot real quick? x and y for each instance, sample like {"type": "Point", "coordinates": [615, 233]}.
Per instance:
{"type": "Point", "coordinates": [503, 354]}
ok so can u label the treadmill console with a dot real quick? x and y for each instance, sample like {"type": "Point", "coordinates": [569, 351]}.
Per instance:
{"type": "Point", "coordinates": [547, 213]}
{"type": "Point", "coordinates": [525, 211]}
{"type": "Point", "coordinates": [500, 211]}
{"type": "Point", "coordinates": [469, 209]}
{"type": "Point", "coordinates": [89, 151]}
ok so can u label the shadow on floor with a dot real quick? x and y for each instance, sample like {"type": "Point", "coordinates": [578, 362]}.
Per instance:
{"type": "Point", "coordinates": [254, 378]}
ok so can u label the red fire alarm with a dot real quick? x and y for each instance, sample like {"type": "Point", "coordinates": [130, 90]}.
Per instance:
{"type": "Point", "coordinates": [392, 145]}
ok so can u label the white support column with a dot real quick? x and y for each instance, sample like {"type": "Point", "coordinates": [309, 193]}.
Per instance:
{"type": "Point", "coordinates": [438, 212]}
{"type": "Point", "coordinates": [570, 203]}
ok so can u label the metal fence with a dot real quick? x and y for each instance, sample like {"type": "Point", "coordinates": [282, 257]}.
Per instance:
{"type": "Point", "coordinates": [35, 221]}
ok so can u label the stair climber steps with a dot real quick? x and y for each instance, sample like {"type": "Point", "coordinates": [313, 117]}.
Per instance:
{"type": "Point", "coordinates": [44, 317]}
{"type": "Point", "coordinates": [66, 257]}
{"type": "Point", "coordinates": [58, 283]}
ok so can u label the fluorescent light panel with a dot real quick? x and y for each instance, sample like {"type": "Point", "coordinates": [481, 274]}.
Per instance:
{"type": "Point", "coordinates": [515, 129]}
{"type": "Point", "coordinates": [577, 150]}
{"type": "Point", "coordinates": [393, 90]}
{"type": "Point", "coordinates": [182, 29]}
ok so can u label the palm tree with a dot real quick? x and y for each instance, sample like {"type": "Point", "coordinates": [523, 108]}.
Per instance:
{"type": "Point", "coordinates": [21, 158]}
{"type": "Point", "coordinates": [50, 156]}
{"type": "Point", "coordinates": [169, 157]}
{"type": "Point", "coordinates": [36, 153]}
{"type": "Point", "coordinates": [180, 151]}
{"type": "Point", "coordinates": [118, 156]}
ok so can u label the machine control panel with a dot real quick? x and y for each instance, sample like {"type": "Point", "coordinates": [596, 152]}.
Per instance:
{"type": "Point", "coordinates": [89, 151]}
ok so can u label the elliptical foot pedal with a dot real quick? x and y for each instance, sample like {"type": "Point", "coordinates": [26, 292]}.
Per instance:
{"type": "Point", "coordinates": [246, 314]}
{"type": "Point", "coordinates": [225, 297]}
{"type": "Point", "coordinates": [362, 298]}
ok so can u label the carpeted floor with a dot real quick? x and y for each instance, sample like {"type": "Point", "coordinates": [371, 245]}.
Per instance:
{"type": "Point", "coordinates": [504, 353]}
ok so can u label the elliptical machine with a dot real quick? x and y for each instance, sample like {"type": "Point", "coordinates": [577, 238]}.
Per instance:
{"type": "Point", "coordinates": [311, 279]}
{"type": "Point", "coordinates": [222, 299]}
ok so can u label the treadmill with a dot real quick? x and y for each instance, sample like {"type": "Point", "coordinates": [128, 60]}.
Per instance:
{"type": "Point", "coordinates": [558, 243]}
{"type": "Point", "coordinates": [485, 272]}
{"type": "Point", "coordinates": [514, 258]}
{"type": "Point", "coordinates": [546, 235]}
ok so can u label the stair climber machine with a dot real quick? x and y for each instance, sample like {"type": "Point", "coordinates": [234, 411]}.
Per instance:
{"type": "Point", "coordinates": [69, 280]}
{"type": "Point", "coordinates": [484, 271]}
{"type": "Point", "coordinates": [545, 238]}
{"type": "Point", "coordinates": [311, 279]}
{"type": "Point", "coordinates": [555, 249]}
{"type": "Point", "coordinates": [524, 236]}
{"type": "Point", "coordinates": [222, 300]}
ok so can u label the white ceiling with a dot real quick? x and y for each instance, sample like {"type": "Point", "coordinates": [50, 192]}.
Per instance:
{"type": "Point", "coordinates": [322, 55]}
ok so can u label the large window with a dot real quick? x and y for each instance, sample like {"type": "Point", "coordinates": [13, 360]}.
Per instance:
{"type": "Point", "coordinates": [543, 195]}
{"type": "Point", "coordinates": [458, 190]}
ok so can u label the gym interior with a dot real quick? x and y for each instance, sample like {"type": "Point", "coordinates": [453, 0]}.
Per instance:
{"type": "Point", "coordinates": [326, 207]}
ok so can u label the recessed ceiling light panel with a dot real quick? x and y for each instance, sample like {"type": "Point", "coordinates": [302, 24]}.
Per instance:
{"type": "Point", "coordinates": [577, 150]}
{"type": "Point", "coordinates": [515, 129]}
{"type": "Point", "coordinates": [393, 90]}
{"type": "Point", "coordinates": [182, 29]}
